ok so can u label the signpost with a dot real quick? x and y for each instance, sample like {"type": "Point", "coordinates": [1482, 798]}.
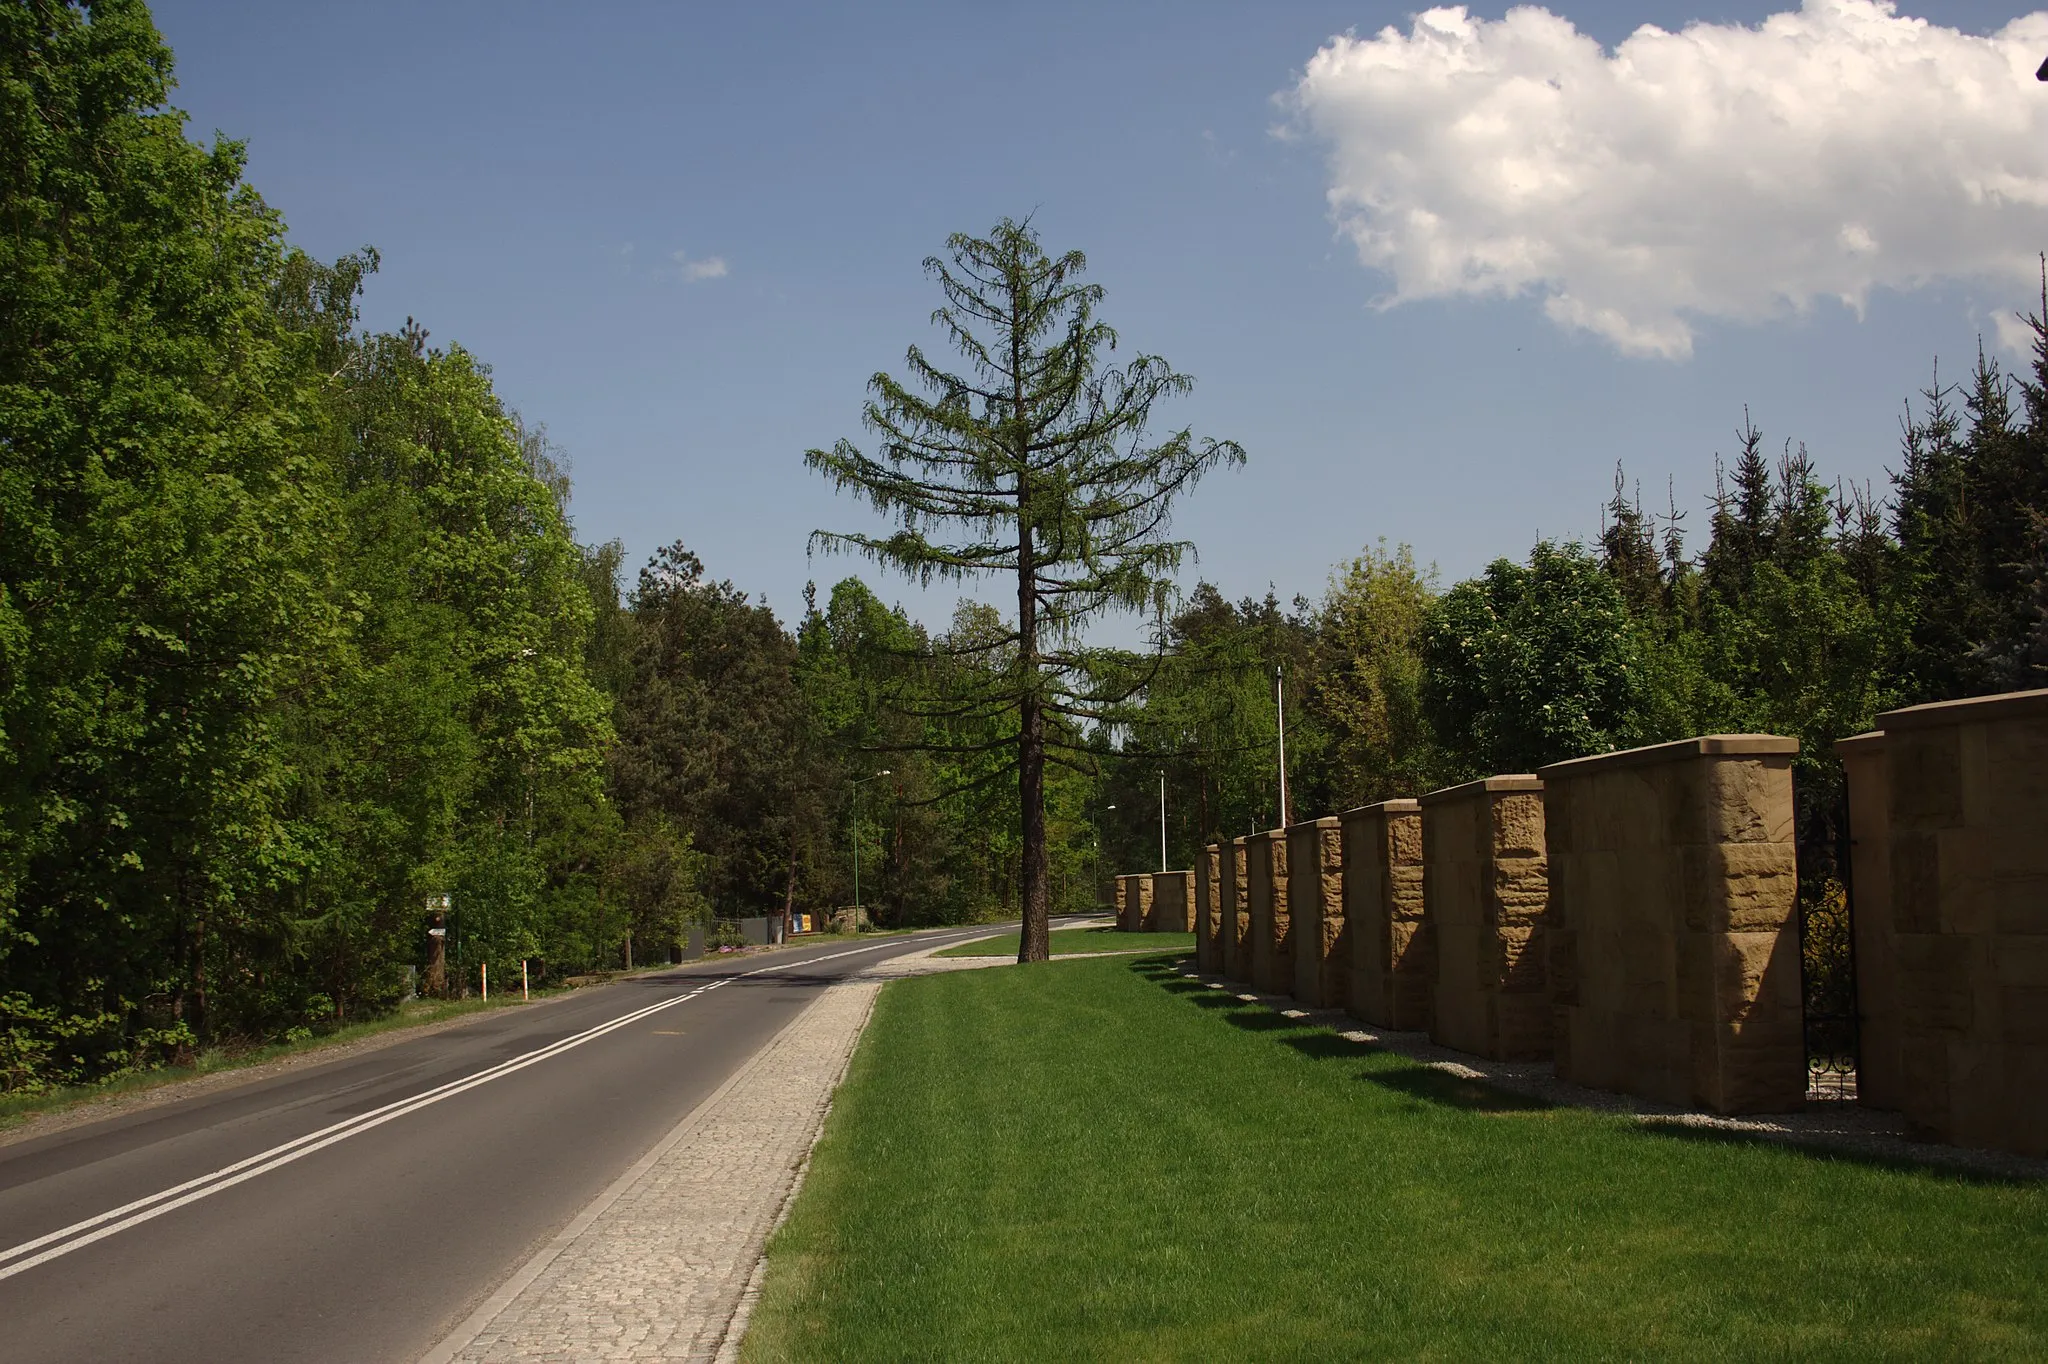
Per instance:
{"type": "Point", "coordinates": [437, 934]}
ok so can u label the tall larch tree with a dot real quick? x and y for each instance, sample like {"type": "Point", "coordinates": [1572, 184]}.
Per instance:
{"type": "Point", "coordinates": [1035, 465]}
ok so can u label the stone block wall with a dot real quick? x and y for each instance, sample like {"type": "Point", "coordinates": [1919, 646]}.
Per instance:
{"type": "Point", "coordinates": [1393, 959]}
{"type": "Point", "coordinates": [1272, 942]}
{"type": "Point", "coordinates": [1173, 902]}
{"type": "Point", "coordinates": [1961, 947]}
{"type": "Point", "coordinates": [1234, 944]}
{"type": "Point", "coordinates": [1484, 871]}
{"type": "Point", "coordinates": [1315, 899]}
{"type": "Point", "coordinates": [1208, 910]}
{"type": "Point", "coordinates": [1673, 923]}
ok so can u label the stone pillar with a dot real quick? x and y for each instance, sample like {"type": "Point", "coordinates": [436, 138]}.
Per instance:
{"type": "Point", "coordinates": [1393, 957]}
{"type": "Point", "coordinates": [1483, 879]}
{"type": "Point", "coordinates": [1878, 1015]}
{"type": "Point", "coordinates": [1173, 902]}
{"type": "Point", "coordinates": [1271, 933]}
{"type": "Point", "coordinates": [1674, 923]}
{"type": "Point", "coordinates": [1235, 942]}
{"type": "Point", "coordinates": [1209, 910]}
{"type": "Point", "coordinates": [1966, 824]}
{"type": "Point", "coordinates": [1136, 902]}
{"type": "Point", "coordinates": [1315, 896]}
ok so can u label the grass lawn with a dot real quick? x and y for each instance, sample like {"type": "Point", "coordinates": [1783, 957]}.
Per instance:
{"type": "Point", "coordinates": [1069, 940]}
{"type": "Point", "coordinates": [1105, 1161]}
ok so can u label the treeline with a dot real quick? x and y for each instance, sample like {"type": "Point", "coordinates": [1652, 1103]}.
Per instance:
{"type": "Point", "coordinates": [1807, 608]}
{"type": "Point", "coordinates": [295, 633]}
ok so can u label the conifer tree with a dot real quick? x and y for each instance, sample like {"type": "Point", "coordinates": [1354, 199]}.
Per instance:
{"type": "Point", "coordinates": [1037, 459]}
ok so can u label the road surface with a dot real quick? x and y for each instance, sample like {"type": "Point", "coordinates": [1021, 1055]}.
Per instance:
{"type": "Point", "coordinates": [354, 1210]}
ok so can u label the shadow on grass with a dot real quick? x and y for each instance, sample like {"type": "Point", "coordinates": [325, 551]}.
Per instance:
{"type": "Point", "coordinates": [1255, 1019]}
{"type": "Point", "coordinates": [1329, 1046]}
{"type": "Point", "coordinates": [1321, 1044]}
{"type": "Point", "coordinates": [1820, 1148]}
{"type": "Point", "coordinates": [1456, 1091]}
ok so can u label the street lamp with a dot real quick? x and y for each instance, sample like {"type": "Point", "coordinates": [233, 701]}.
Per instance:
{"type": "Point", "coordinates": [1098, 860]}
{"type": "Point", "coordinates": [856, 841]}
{"type": "Point", "coordinates": [1280, 708]}
{"type": "Point", "coordinates": [1162, 819]}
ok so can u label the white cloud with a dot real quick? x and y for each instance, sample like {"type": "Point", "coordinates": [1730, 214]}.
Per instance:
{"type": "Point", "coordinates": [690, 271]}
{"type": "Point", "coordinates": [1721, 172]}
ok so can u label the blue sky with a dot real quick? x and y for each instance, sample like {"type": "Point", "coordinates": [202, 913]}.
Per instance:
{"type": "Point", "coordinates": [530, 173]}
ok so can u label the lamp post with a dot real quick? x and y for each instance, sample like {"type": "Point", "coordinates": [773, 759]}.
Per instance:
{"type": "Point", "coordinates": [856, 841]}
{"type": "Point", "coordinates": [1098, 863]}
{"type": "Point", "coordinates": [1280, 708]}
{"type": "Point", "coordinates": [1162, 819]}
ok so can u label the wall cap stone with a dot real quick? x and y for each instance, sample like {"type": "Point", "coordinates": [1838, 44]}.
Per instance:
{"type": "Point", "coordinates": [1516, 781]}
{"type": "Point", "coordinates": [1400, 805]}
{"type": "Point", "coordinates": [1971, 710]}
{"type": "Point", "coordinates": [1322, 822]}
{"type": "Point", "coordinates": [1705, 746]}
{"type": "Point", "coordinates": [1854, 743]}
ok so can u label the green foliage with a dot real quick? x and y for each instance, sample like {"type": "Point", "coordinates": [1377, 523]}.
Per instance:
{"type": "Point", "coordinates": [1370, 674]}
{"type": "Point", "coordinates": [1532, 665]}
{"type": "Point", "coordinates": [291, 632]}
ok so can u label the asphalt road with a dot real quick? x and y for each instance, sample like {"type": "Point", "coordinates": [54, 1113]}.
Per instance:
{"type": "Point", "coordinates": [357, 1209]}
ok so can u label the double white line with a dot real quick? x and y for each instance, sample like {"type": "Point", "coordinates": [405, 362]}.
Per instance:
{"type": "Point", "coordinates": [63, 1241]}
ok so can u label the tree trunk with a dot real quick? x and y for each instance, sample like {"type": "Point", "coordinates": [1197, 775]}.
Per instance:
{"type": "Point", "coordinates": [1035, 943]}
{"type": "Point", "coordinates": [789, 893]}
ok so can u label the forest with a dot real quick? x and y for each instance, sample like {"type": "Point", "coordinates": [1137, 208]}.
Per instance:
{"type": "Point", "coordinates": [297, 631]}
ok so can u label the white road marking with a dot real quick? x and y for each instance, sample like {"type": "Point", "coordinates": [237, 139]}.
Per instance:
{"type": "Point", "coordinates": [80, 1234]}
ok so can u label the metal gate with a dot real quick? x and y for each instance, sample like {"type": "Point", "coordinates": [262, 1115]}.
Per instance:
{"type": "Point", "coordinates": [1827, 942]}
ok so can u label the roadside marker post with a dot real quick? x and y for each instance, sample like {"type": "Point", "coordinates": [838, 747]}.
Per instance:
{"type": "Point", "coordinates": [523, 997]}
{"type": "Point", "coordinates": [487, 982]}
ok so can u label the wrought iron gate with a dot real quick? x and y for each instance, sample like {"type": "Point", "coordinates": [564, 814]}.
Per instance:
{"type": "Point", "coordinates": [1827, 941]}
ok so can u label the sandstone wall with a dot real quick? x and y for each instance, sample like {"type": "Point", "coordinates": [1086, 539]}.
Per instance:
{"type": "Point", "coordinates": [1234, 955]}
{"type": "Point", "coordinates": [1315, 898]}
{"type": "Point", "coordinates": [1962, 947]}
{"type": "Point", "coordinates": [1173, 902]}
{"type": "Point", "coordinates": [1135, 899]}
{"type": "Point", "coordinates": [1272, 942]}
{"type": "Point", "coordinates": [1484, 881]}
{"type": "Point", "coordinates": [1208, 910]}
{"type": "Point", "coordinates": [1673, 923]}
{"type": "Point", "coordinates": [1392, 961]}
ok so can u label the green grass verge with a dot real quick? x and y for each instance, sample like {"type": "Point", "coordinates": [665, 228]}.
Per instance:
{"type": "Point", "coordinates": [1066, 941]}
{"type": "Point", "coordinates": [1109, 1162]}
